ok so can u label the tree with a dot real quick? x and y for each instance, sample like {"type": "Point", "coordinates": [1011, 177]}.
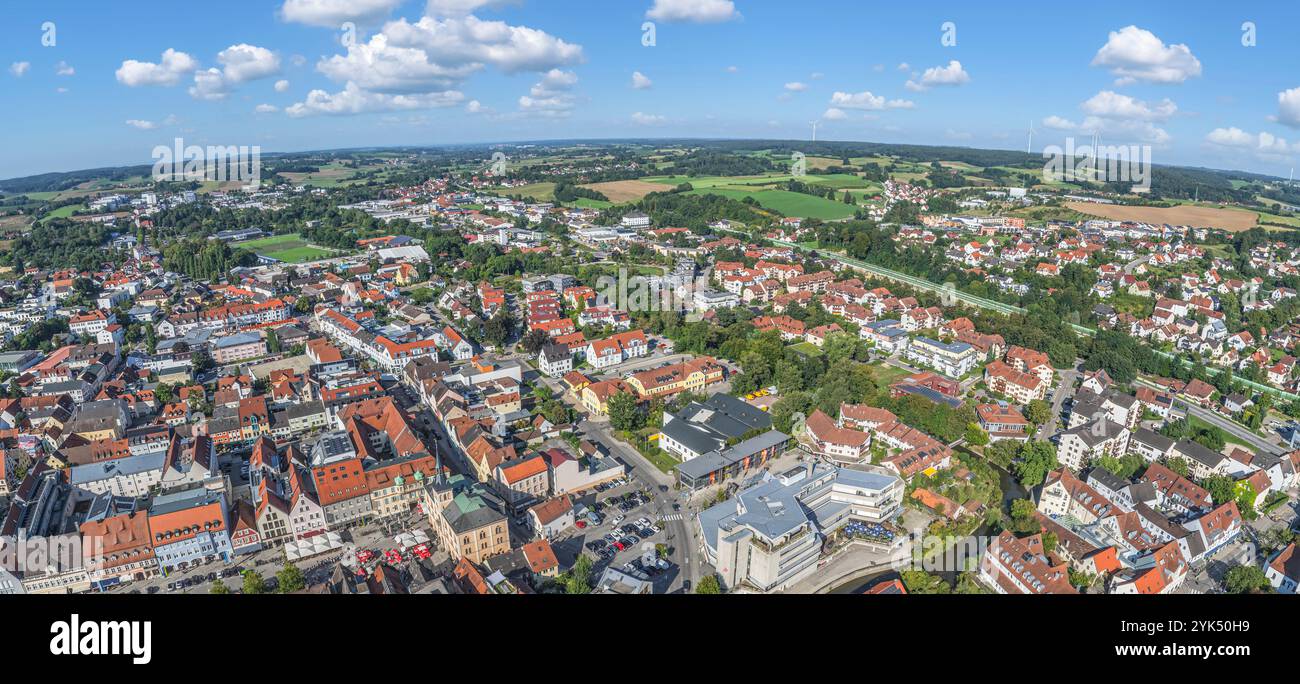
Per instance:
{"type": "Point", "coordinates": [976, 436]}
{"type": "Point", "coordinates": [1247, 579]}
{"type": "Point", "coordinates": [922, 582]}
{"type": "Point", "coordinates": [535, 340]}
{"type": "Point", "coordinates": [421, 296]}
{"type": "Point", "coordinates": [624, 414]}
{"type": "Point", "coordinates": [219, 587]}
{"type": "Point", "coordinates": [1023, 520]}
{"type": "Point", "coordinates": [253, 582]}
{"type": "Point", "coordinates": [1038, 412]}
{"type": "Point", "coordinates": [1036, 460]}
{"type": "Point", "coordinates": [578, 580]}
{"type": "Point", "coordinates": [497, 330]}
{"type": "Point", "coordinates": [290, 579]}
{"type": "Point", "coordinates": [709, 584]}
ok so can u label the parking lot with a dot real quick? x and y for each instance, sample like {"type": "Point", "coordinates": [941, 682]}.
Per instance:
{"type": "Point", "coordinates": [625, 529]}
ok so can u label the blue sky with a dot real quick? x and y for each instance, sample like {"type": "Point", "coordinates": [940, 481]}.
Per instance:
{"type": "Point", "coordinates": [1174, 75]}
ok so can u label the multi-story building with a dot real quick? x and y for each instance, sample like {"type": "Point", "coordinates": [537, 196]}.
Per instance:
{"type": "Point", "coordinates": [770, 535]}
{"type": "Point", "coordinates": [467, 517]}
{"type": "Point", "coordinates": [189, 528]}
{"type": "Point", "coordinates": [953, 359]}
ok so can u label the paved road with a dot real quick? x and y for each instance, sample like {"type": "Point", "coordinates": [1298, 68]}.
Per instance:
{"type": "Point", "coordinates": [679, 533]}
{"type": "Point", "coordinates": [1064, 391]}
{"type": "Point", "coordinates": [1228, 426]}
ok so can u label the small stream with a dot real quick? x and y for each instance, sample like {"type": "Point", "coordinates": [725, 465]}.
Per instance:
{"type": "Point", "coordinates": [1011, 490]}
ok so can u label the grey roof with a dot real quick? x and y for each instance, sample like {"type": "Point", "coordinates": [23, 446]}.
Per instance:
{"type": "Point", "coordinates": [1154, 440]}
{"type": "Point", "coordinates": [126, 466]}
{"type": "Point", "coordinates": [701, 466]}
{"type": "Point", "coordinates": [1092, 436]}
{"type": "Point", "coordinates": [1107, 479]}
{"type": "Point", "coordinates": [950, 347]}
{"type": "Point", "coordinates": [1198, 452]}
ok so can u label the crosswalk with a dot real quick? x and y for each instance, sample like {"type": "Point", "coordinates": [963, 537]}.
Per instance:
{"type": "Point", "coordinates": [674, 516]}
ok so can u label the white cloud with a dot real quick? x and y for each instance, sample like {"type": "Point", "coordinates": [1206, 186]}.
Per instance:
{"type": "Point", "coordinates": [951, 75]}
{"type": "Point", "coordinates": [332, 13]}
{"type": "Point", "coordinates": [1113, 105]}
{"type": "Point", "coordinates": [953, 134]}
{"type": "Point", "coordinates": [648, 119]}
{"type": "Point", "coordinates": [476, 107]}
{"type": "Point", "coordinates": [141, 124]}
{"type": "Point", "coordinates": [550, 96]}
{"type": "Point", "coordinates": [796, 87]}
{"type": "Point", "coordinates": [473, 41]}
{"type": "Point", "coordinates": [1263, 142]}
{"type": "Point", "coordinates": [281, 86]}
{"type": "Point", "coordinates": [64, 69]}
{"type": "Point", "coordinates": [700, 11]}
{"type": "Point", "coordinates": [867, 100]}
{"type": "Point", "coordinates": [733, 69]}
{"type": "Point", "coordinates": [1060, 123]}
{"type": "Point", "coordinates": [817, 76]}
{"type": "Point", "coordinates": [1288, 107]}
{"type": "Point", "coordinates": [904, 66]}
{"type": "Point", "coordinates": [174, 66]}
{"type": "Point", "coordinates": [266, 109]}
{"type": "Point", "coordinates": [640, 81]}
{"type": "Point", "coordinates": [380, 66]}
{"type": "Point", "coordinates": [834, 114]}
{"type": "Point", "coordinates": [354, 100]}
{"type": "Point", "coordinates": [1135, 54]}
{"type": "Point", "coordinates": [878, 68]}
{"type": "Point", "coordinates": [209, 85]}
{"type": "Point", "coordinates": [20, 69]}
{"type": "Point", "coordinates": [245, 62]}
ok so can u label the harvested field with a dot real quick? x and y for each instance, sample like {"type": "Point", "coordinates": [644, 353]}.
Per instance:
{"type": "Point", "coordinates": [626, 190]}
{"type": "Point", "coordinates": [1232, 220]}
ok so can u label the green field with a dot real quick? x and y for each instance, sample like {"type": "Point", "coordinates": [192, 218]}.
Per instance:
{"type": "Point", "coordinates": [290, 248]}
{"type": "Point", "coordinates": [806, 348]}
{"type": "Point", "coordinates": [788, 203]}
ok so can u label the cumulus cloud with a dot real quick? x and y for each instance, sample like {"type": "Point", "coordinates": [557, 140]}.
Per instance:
{"type": "Point", "coordinates": [951, 75]}
{"type": "Point", "coordinates": [173, 66]}
{"type": "Point", "coordinates": [476, 107]}
{"type": "Point", "coordinates": [20, 69]}
{"type": "Point", "coordinates": [1136, 54]}
{"type": "Point", "coordinates": [796, 87]}
{"type": "Point", "coordinates": [733, 69]}
{"type": "Point", "coordinates": [550, 96]}
{"type": "Point", "coordinates": [209, 85]}
{"type": "Point", "coordinates": [867, 100]}
{"type": "Point", "coordinates": [383, 67]}
{"type": "Point", "coordinates": [141, 124]}
{"type": "Point", "coordinates": [355, 100]}
{"type": "Point", "coordinates": [1060, 123]}
{"type": "Point", "coordinates": [640, 81]}
{"type": "Point", "coordinates": [469, 40]}
{"type": "Point", "coordinates": [642, 119]}
{"type": "Point", "coordinates": [332, 13]}
{"type": "Point", "coordinates": [1116, 106]}
{"type": "Point", "coordinates": [1263, 143]}
{"type": "Point", "coordinates": [266, 109]}
{"type": "Point", "coordinates": [281, 86]}
{"type": "Point", "coordinates": [64, 69]}
{"type": "Point", "coordinates": [1288, 107]}
{"type": "Point", "coordinates": [834, 114]}
{"type": "Point", "coordinates": [699, 11]}
{"type": "Point", "coordinates": [245, 62]}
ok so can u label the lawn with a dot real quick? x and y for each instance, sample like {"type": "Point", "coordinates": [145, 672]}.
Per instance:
{"type": "Point", "coordinates": [886, 374]}
{"type": "Point", "coordinates": [806, 348]}
{"type": "Point", "coordinates": [788, 203]}
{"type": "Point", "coordinates": [289, 248]}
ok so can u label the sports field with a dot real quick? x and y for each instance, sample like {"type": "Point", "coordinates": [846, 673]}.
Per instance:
{"type": "Point", "coordinates": [289, 248]}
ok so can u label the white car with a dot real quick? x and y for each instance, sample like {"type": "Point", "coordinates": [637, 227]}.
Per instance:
{"type": "Point", "coordinates": [617, 521]}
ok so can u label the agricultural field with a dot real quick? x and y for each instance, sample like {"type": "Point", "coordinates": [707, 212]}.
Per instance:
{"type": "Point", "coordinates": [540, 192]}
{"type": "Point", "coordinates": [1231, 220]}
{"type": "Point", "coordinates": [290, 248]}
{"type": "Point", "coordinates": [619, 192]}
{"type": "Point", "coordinates": [765, 190]}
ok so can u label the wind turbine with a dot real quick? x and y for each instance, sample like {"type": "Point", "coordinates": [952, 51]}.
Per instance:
{"type": "Point", "coordinates": [814, 125]}
{"type": "Point", "coordinates": [1029, 148]}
